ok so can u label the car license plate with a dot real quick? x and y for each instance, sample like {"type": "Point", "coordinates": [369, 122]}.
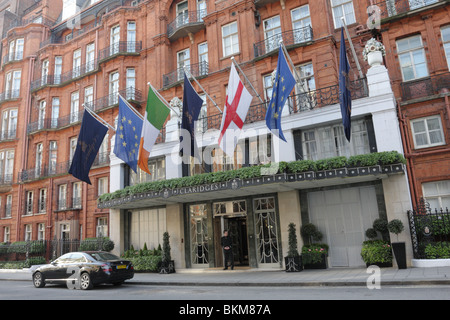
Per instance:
{"type": "Point", "coordinates": [121, 266]}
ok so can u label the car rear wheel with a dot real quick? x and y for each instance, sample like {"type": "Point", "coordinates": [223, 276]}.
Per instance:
{"type": "Point", "coordinates": [38, 280]}
{"type": "Point", "coordinates": [85, 281]}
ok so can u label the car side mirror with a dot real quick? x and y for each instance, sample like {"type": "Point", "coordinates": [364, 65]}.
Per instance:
{"type": "Point", "coordinates": [53, 263]}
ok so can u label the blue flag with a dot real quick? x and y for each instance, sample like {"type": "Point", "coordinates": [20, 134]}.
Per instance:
{"type": "Point", "coordinates": [282, 87]}
{"type": "Point", "coordinates": [345, 96]}
{"type": "Point", "coordinates": [91, 136]}
{"type": "Point", "coordinates": [192, 104]}
{"type": "Point", "coordinates": [128, 135]}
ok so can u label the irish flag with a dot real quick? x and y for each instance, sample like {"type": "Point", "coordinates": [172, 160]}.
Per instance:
{"type": "Point", "coordinates": [156, 114]}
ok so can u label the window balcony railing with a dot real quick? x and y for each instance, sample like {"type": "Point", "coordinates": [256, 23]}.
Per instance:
{"type": "Point", "coordinates": [190, 22]}
{"type": "Point", "coordinates": [8, 134]}
{"type": "Point", "coordinates": [197, 70]}
{"type": "Point", "coordinates": [390, 8]}
{"type": "Point", "coordinates": [13, 56]}
{"type": "Point", "coordinates": [55, 123]}
{"type": "Point", "coordinates": [297, 103]}
{"type": "Point", "coordinates": [120, 48]}
{"type": "Point", "coordinates": [54, 80]}
{"type": "Point", "coordinates": [9, 95]}
{"type": "Point", "coordinates": [44, 171]}
{"type": "Point", "coordinates": [425, 87]}
{"type": "Point", "coordinates": [130, 94]}
{"type": "Point", "coordinates": [292, 37]}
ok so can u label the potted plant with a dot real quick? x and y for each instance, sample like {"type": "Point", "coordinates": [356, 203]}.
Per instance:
{"type": "Point", "coordinates": [373, 52]}
{"type": "Point", "coordinates": [293, 261]}
{"type": "Point", "coordinates": [167, 265]}
{"type": "Point", "coordinates": [396, 226]}
{"type": "Point", "coordinates": [314, 253]}
{"type": "Point", "coordinates": [377, 252]}
{"type": "Point", "coordinates": [314, 256]}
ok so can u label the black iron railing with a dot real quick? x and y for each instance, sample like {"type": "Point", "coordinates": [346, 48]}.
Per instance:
{"type": "Point", "coordinates": [9, 95]}
{"type": "Point", "coordinates": [121, 47]}
{"type": "Point", "coordinates": [292, 37]}
{"type": "Point", "coordinates": [185, 19]}
{"type": "Point", "coordinates": [425, 87]}
{"type": "Point", "coordinates": [197, 70]}
{"type": "Point", "coordinates": [429, 227]}
{"type": "Point", "coordinates": [390, 8]}
{"type": "Point", "coordinates": [131, 94]}
{"type": "Point", "coordinates": [13, 56]}
{"type": "Point", "coordinates": [296, 103]}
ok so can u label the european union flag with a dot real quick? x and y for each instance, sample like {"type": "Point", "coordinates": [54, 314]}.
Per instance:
{"type": "Point", "coordinates": [192, 104]}
{"type": "Point", "coordinates": [345, 96]}
{"type": "Point", "coordinates": [282, 87]}
{"type": "Point", "coordinates": [128, 135]}
{"type": "Point", "coordinates": [91, 136]}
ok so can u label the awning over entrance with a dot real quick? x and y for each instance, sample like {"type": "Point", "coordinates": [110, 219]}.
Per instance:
{"type": "Point", "coordinates": [254, 186]}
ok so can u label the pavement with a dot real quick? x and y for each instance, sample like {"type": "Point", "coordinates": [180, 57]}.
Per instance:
{"type": "Point", "coordinates": [411, 276]}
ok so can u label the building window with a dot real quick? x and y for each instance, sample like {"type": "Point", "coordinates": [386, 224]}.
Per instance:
{"type": "Point", "coordinates": [230, 40]}
{"type": "Point", "coordinates": [131, 84]}
{"type": "Point", "coordinates": [44, 72]}
{"type": "Point", "coordinates": [272, 33]}
{"type": "Point", "coordinates": [412, 59]}
{"type": "Point", "coordinates": [76, 195]}
{"type": "Point", "coordinates": [343, 8]}
{"type": "Point", "coordinates": [76, 67]}
{"type": "Point", "coordinates": [260, 150]}
{"type": "Point", "coordinates": [102, 227]}
{"type": "Point", "coordinates": [55, 112]}
{"type": "Point", "coordinates": [102, 186]}
{"type": "Point", "coordinates": [90, 57]}
{"type": "Point", "coordinates": [6, 166]}
{"type": "Point", "coordinates": [73, 147]}
{"type": "Point", "coordinates": [6, 234]}
{"type": "Point", "coordinates": [42, 204]}
{"type": "Point", "coordinates": [38, 164]}
{"type": "Point", "coordinates": [131, 36]}
{"type": "Point", "coordinates": [437, 194]}
{"type": "Point", "coordinates": [9, 124]}
{"type": "Point", "coordinates": [203, 58]}
{"type": "Point", "coordinates": [41, 115]}
{"type": "Point", "coordinates": [427, 132]}
{"type": "Point", "coordinates": [157, 168]}
{"type": "Point", "coordinates": [16, 50]}
{"type": "Point", "coordinates": [29, 203]}
{"type": "Point", "coordinates": [74, 107]}
{"type": "Point", "coordinates": [89, 96]}
{"type": "Point", "coordinates": [28, 232]}
{"type": "Point", "coordinates": [328, 142]}
{"type": "Point", "coordinates": [114, 88]}
{"type": "Point", "coordinates": [415, 4]}
{"type": "Point", "coordinates": [52, 157]}
{"type": "Point", "coordinates": [62, 197]}
{"type": "Point", "coordinates": [41, 231]}
{"type": "Point", "coordinates": [183, 61]}
{"type": "Point", "coordinates": [445, 33]}
{"type": "Point", "coordinates": [8, 206]}
{"type": "Point", "coordinates": [58, 70]}
{"type": "Point", "coordinates": [115, 40]}
{"type": "Point", "coordinates": [12, 86]}
{"type": "Point", "coordinates": [301, 20]}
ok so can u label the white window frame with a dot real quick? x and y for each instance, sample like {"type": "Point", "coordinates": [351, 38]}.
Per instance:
{"type": "Point", "coordinates": [52, 157]}
{"type": "Point", "coordinates": [41, 114]}
{"type": "Point", "coordinates": [427, 132]}
{"type": "Point", "coordinates": [8, 206]}
{"type": "Point", "coordinates": [131, 36]}
{"type": "Point", "coordinates": [55, 112]}
{"type": "Point", "coordinates": [39, 158]}
{"type": "Point", "coordinates": [28, 232]}
{"type": "Point", "coordinates": [115, 40]}
{"type": "Point", "coordinates": [6, 234]}
{"type": "Point", "coordinates": [29, 203]}
{"type": "Point", "coordinates": [272, 33]}
{"type": "Point", "coordinates": [233, 37]}
{"type": "Point", "coordinates": [301, 23]}
{"type": "Point", "coordinates": [102, 185]}
{"type": "Point", "coordinates": [90, 57]}
{"type": "Point", "coordinates": [74, 106]}
{"type": "Point", "coordinates": [439, 195]}
{"type": "Point", "coordinates": [42, 202]}
{"type": "Point", "coordinates": [183, 61]}
{"type": "Point", "coordinates": [410, 53]}
{"type": "Point", "coordinates": [9, 124]}
{"type": "Point", "coordinates": [41, 231]}
{"type": "Point", "coordinates": [102, 227]}
{"type": "Point", "coordinates": [76, 195]}
{"type": "Point", "coordinates": [445, 36]}
{"type": "Point", "coordinates": [62, 197]}
{"type": "Point", "coordinates": [114, 78]}
{"type": "Point", "coordinates": [76, 66]}
{"type": "Point", "coordinates": [58, 69]}
{"type": "Point", "coordinates": [340, 5]}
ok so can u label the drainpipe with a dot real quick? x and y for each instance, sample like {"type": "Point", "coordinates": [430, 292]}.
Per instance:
{"type": "Point", "coordinates": [25, 142]}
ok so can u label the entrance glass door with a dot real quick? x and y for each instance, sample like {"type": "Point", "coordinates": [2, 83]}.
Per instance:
{"type": "Point", "coordinates": [266, 229]}
{"type": "Point", "coordinates": [199, 235]}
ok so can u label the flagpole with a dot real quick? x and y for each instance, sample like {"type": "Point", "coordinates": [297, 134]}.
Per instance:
{"type": "Point", "coordinates": [131, 107]}
{"type": "Point", "coordinates": [162, 98]}
{"type": "Point", "coordinates": [92, 113]}
{"type": "Point", "coordinates": [352, 47]}
{"type": "Point", "coordinates": [215, 104]}
{"type": "Point", "coordinates": [243, 74]}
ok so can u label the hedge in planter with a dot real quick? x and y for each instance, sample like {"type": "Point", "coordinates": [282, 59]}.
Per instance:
{"type": "Point", "coordinates": [314, 256]}
{"type": "Point", "coordinates": [377, 252]}
{"type": "Point", "coordinates": [94, 244]}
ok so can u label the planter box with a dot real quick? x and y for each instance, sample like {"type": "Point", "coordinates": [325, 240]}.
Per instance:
{"type": "Point", "coordinates": [167, 267]}
{"type": "Point", "coordinates": [400, 254]}
{"type": "Point", "coordinates": [318, 265]}
{"type": "Point", "coordinates": [380, 264]}
{"type": "Point", "coordinates": [293, 264]}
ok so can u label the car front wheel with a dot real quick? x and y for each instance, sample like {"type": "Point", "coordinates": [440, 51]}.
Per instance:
{"type": "Point", "coordinates": [38, 280]}
{"type": "Point", "coordinates": [85, 281]}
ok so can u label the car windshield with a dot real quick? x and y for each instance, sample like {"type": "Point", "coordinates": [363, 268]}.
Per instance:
{"type": "Point", "coordinates": [103, 256]}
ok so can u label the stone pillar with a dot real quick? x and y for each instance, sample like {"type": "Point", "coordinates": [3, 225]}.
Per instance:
{"type": "Point", "coordinates": [175, 228]}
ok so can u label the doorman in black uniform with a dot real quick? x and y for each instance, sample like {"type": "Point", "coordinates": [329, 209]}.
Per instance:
{"type": "Point", "coordinates": [226, 243]}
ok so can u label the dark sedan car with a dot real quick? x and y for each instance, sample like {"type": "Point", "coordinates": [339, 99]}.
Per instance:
{"type": "Point", "coordinates": [83, 270]}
